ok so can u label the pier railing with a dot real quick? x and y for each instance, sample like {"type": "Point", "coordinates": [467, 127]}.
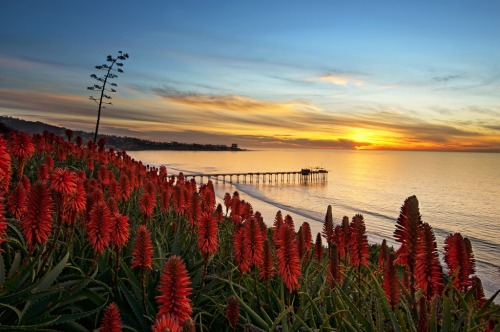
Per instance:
{"type": "Point", "coordinates": [304, 175]}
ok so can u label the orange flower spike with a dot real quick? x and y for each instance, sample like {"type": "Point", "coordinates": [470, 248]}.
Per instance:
{"type": "Point", "coordinates": [267, 266]}
{"type": "Point", "coordinates": [99, 227]}
{"type": "Point", "coordinates": [143, 249]}
{"type": "Point", "coordinates": [120, 231]}
{"type": "Point", "coordinates": [166, 323]}
{"type": "Point", "coordinates": [4, 166]}
{"type": "Point", "coordinates": [63, 182]}
{"type": "Point", "coordinates": [36, 224]}
{"type": "Point", "coordinates": [174, 289]}
{"type": "Point", "coordinates": [219, 214]}
{"type": "Point", "coordinates": [21, 147]}
{"type": "Point", "coordinates": [318, 248]}
{"type": "Point", "coordinates": [328, 226]}
{"type": "Point", "coordinates": [147, 205]}
{"type": "Point", "coordinates": [306, 229]}
{"type": "Point", "coordinates": [358, 244]}
{"type": "Point", "coordinates": [458, 254]}
{"type": "Point", "coordinates": [207, 235]}
{"type": "Point", "coordinates": [255, 240]}
{"type": "Point", "coordinates": [241, 251]}
{"type": "Point", "coordinates": [407, 234]}
{"type": "Point", "coordinates": [428, 272]}
{"type": "Point", "coordinates": [43, 172]}
{"type": "Point", "coordinates": [232, 311]}
{"type": "Point", "coordinates": [391, 282]}
{"type": "Point", "coordinates": [227, 201]}
{"type": "Point", "coordinates": [333, 271]}
{"type": "Point", "coordinates": [278, 221]}
{"type": "Point", "coordinates": [111, 321]}
{"type": "Point", "coordinates": [3, 224]}
{"type": "Point", "coordinates": [287, 257]}
{"type": "Point", "coordinates": [16, 204]}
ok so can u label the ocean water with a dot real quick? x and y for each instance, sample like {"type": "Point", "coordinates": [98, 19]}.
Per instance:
{"type": "Point", "coordinates": [457, 192]}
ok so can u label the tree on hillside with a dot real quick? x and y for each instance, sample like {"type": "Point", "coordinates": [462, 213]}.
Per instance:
{"type": "Point", "coordinates": [109, 74]}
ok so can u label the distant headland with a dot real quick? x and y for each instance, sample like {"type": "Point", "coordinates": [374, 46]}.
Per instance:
{"type": "Point", "coordinates": [123, 143]}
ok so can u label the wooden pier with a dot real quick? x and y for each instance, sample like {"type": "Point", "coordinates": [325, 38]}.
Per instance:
{"type": "Point", "coordinates": [304, 175]}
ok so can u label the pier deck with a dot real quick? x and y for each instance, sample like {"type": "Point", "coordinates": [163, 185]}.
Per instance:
{"type": "Point", "coordinates": [304, 175]}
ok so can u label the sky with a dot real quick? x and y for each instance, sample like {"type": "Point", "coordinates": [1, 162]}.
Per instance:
{"type": "Point", "coordinates": [338, 74]}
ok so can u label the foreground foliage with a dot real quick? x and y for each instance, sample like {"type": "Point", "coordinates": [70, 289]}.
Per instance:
{"type": "Point", "coordinates": [91, 238]}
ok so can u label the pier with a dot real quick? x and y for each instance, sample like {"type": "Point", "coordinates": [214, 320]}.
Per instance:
{"type": "Point", "coordinates": [304, 175]}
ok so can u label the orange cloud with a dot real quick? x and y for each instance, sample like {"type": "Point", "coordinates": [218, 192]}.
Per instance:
{"type": "Point", "coordinates": [231, 103]}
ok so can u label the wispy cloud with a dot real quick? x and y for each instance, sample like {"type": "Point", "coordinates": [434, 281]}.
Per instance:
{"type": "Point", "coordinates": [231, 103]}
{"type": "Point", "coordinates": [339, 79]}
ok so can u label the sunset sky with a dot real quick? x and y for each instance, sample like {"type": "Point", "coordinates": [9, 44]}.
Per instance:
{"type": "Point", "coordinates": [305, 74]}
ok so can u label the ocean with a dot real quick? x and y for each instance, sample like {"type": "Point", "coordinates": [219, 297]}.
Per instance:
{"type": "Point", "coordinates": [457, 191]}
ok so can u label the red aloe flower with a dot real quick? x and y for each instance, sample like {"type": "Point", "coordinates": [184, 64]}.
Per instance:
{"type": "Point", "coordinates": [37, 221]}
{"type": "Point", "coordinates": [306, 229]}
{"type": "Point", "coordinates": [166, 323]}
{"type": "Point", "coordinates": [301, 246]}
{"type": "Point", "coordinates": [219, 217]}
{"type": "Point", "coordinates": [112, 205]}
{"type": "Point", "coordinates": [289, 221]}
{"type": "Point", "coordinates": [21, 147]}
{"type": "Point", "coordinates": [147, 205]}
{"type": "Point", "coordinates": [267, 266]}
{"type": "Point", "coordinates": [346, 236]}
{"type": "Point", "coordinates": [49, 161]}
{"type": "Point", "coordinates": [458, 255]}
{"type": "Point", "coordinates": [99, 227]}
{"type": "Point", "coordinates": [4, 166]}
{"type": "Point", "coordinates": [207, 235]}
{"type": "Point", "coordinates": [178, 198]}
{"type": "Point", "coordinates": [328, 226]}
{"type": "Point", "coordinates": [391, 282]}
{"type": "Point", "coordinates": [62, 181]}
{"type": "Point", "coordinates": [119, 231]}
{"type": "Point", "coordinates": [143, 250]}
{"type": "Point", "coordinates": [124, 186]}
{"type": "Point", "coordinates": [407, 234]}
{"type": "Point", "coordinates": [111, 321]}
{"type": "Point", "coordinates": [287, 257]}
{"type": "Point", "coordinates": [102, 175]}
{"type": "Point", "coordinates": [43, 172]}
{"type": "Point", "coordinates": [194, 210]}
{"type": "Point", "coordinates": [254, 241]}
{"type": "Point", "coordinates": [75, 203]}
{"type": "Point", "coordinates": [114, 188]}
{"type": "Point", "coordinates": [235, 207]}
{"type": "Point", "coordinates": [3, 224]}
{"type": "Point", "coordinates": [428, 272]}
{"type": "Point", "coordinates": [227, 201]}
{"type": "Point", "coordinates": [209, 197]}
{"type": "Point", "coordinates": [382, 254]}
{"type": "Point", "coordinates": [233, 311]}
{"type": "Point", "coordinates": [165, 199]}
{"type": "Point", "coordinates": [241, 251]}
{"type": "Point", "coordinates": [333, 272]}
{"type": "Point", "coordinates": [358, 243]}
{"type": "Point", "coordinates": [278, 221]}
{"type": "Point", "coordinates": [318, 248]}
{"type": "Point", "coordinates": [16, 203]}
{"type": "Point", "coordinates": [174, 289]}
{"type": "Point", "coordinates": [478, 291]}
